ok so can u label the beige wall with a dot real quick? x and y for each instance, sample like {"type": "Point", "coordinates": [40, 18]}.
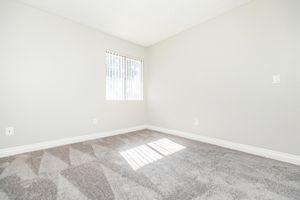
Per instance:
{"type": "Point", "coordinates": [52, 78]}
{"type": "Point", "coordinates": [221, 73]}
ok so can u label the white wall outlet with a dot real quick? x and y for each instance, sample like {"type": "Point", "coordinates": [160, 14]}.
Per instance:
{"type": "Point", "coordinates": [196, 121]}
{"type": "Point", "coordinates": [276, 79]}
{"type": "Point", "coordinates": [95, 121]}
{"type": "Point", "coordinates": [9, 131]}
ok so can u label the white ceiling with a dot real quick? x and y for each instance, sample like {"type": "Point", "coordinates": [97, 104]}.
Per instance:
{"type": "Point", "coordinates": [143, 22]}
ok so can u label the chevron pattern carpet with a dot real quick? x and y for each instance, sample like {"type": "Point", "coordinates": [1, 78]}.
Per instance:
{"type": "Point", "coordinates": [145, 165]}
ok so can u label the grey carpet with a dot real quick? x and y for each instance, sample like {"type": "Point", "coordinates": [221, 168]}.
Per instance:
{"type": "Point", "coordinates": [146, 165]}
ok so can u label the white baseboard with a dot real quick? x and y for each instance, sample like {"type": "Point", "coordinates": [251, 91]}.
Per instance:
{"type": "Point", "coordinates": [45, 145]}
{"type": "Point", "coordinates": [276, 155]}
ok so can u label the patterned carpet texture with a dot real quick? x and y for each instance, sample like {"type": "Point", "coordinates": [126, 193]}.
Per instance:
{"type": "Point", "coordinates": [145, 165]}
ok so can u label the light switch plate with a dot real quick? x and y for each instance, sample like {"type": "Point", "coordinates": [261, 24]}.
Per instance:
{"type": "Point", "coordinates": [276, 79]}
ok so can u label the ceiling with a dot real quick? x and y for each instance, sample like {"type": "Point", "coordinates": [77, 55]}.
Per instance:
{"type": "Point", "coordinates": [144, 22]}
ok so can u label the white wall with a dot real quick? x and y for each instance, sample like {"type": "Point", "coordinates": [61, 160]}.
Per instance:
{"type": "Point", "coordinates": [52, 78]}
{"type": "Point", "coordinates": [221, 73]}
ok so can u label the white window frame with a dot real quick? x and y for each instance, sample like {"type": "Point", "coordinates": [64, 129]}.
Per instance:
{"type": "Point", "coordinates": [125, 95]}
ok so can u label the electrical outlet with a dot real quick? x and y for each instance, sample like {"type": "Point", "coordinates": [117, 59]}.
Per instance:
{"type": "Point", "coordinates": [196, 121]}
{"type": "Point", "coordinates": [95, 121]}
{"type": "Point", "coordinates": [9, 131]}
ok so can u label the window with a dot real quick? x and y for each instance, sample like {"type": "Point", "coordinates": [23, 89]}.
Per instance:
{"type": "Point", "coordinates": [124, 77]}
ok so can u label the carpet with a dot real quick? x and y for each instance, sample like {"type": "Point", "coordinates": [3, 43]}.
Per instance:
{"type": "Point", "coordinates": [146, 165]}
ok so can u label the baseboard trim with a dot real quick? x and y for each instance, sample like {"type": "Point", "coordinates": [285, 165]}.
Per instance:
{"type": "Point", "coordinates": [50, 144]}
{"type": "Point", "coordinates": [276, 155]}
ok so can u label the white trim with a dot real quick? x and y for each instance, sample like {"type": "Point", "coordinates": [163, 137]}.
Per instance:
{"type": "Point", "coordinates": [45, 145]}
{"type": "Point", "coordinates": [276, 155]}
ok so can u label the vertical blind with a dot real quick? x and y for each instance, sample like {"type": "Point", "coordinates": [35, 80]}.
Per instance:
{"type": "Point", "coordinates": [124, 77]}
